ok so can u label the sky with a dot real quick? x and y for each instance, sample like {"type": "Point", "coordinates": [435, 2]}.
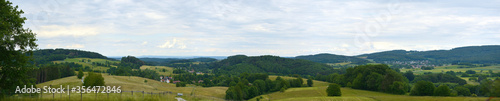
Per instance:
{"type": "Point", "coordinates": [260, 27]}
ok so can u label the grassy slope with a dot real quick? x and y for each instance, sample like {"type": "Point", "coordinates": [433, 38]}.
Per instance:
{"type": "Point", "coordinates": [133, 83]}
{"type": "Point", "coordinates": [159, 69]}
{"type": "Point", "coordinates": [89, 64]}
{"type": "Point", "coordinates": [318, 93]}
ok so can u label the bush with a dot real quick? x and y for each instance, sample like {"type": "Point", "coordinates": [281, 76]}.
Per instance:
{"type": "Point", "coordinates": [80, 74]}
{"type": "Point", "coordinates": [442, 90]}
{"type": "Point", "coordinates": [93, 79]}
{"type": "Point", "coordinates": [462, 91]}
{"type": "Point", "coordinates": [422, 88]}
{"type": "Point", "coordinates": [333, 90]}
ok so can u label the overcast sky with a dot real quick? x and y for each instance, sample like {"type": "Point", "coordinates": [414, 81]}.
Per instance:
{"type": "Point", "coordinates": [260, 27]}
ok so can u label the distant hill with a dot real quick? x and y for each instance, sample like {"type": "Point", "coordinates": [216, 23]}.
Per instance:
{"type": "Point", "coordinates": [47, 55]}
{"type": "Point", "coordinates": [332, 58]}
{"type": "Point", "coordinates": [470, 54]}
{"type": "Point", "coordinates": [165, 61]}
{"type": "Point", "coordinates": [269, 64]}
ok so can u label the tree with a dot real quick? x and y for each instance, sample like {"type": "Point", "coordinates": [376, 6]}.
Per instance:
{"type": "Point", "coordinates": [80, 74]}
{"type": "Point", "coordinates": [358, 82]}
{"type": "Point", "coordinates": [409, 75]}
{"type": "Point", "coordinates": [310, 82]}
{"type": "Point", "coordinates": [442, 90]}
{"type": "Point", "coordinates": [462, 91]}
{"type": "Point", "coordinates": [93, 79]}
{"type": "Point", "coordinates": [333, 90]}
{"type": "Point", "coordinates": [470, 72]}
{"type": "Point", "coordinates": [16, 45]}
{"type": "Point", "coordinates": [423, 88]}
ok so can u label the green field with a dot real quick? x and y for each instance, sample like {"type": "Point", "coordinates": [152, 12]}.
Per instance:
{"type": "Point", "coordinates": [89, 64]}
{"type": "Point", "coordinates": [159, 69]}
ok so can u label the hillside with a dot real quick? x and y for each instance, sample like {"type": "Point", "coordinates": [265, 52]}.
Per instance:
{"type": "Point", "coordinates": [318, 93]}
{"type": "Point", "coordinates": [48, 55]}
{"type": "Point", "coordinates": [472, 54]}
{"type": "Point", "coordinates": [332, 58]}
{"type": "Point", "coordinates": [165, 61]}
{"type": "Point", "coordinates": [133, 83]}
{"type": "Point", "coordinates": [269, 64]}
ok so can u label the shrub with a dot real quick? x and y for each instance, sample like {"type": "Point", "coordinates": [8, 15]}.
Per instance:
{"type": "Point", "coordinates": [442, 90]}
{"type": "Point", "coordinates": [333, 90]}
{"type": "Point", "coordinates": [93, 79]}
{"type": "Point", "coordinates": [422, 88]}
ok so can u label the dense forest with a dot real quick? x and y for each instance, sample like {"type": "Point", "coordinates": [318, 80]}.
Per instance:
{"type": "Point", "coordinates": [332, 58]}
{"type": "Point", "coordinates": [272, 65]}
{"type": "Point", "coordinates": [44, 56]}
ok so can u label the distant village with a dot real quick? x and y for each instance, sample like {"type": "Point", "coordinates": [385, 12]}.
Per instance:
{"type": "Point", "coordinates": [410, 64]}
{"type": "Point", "coordinates": [167, 79]}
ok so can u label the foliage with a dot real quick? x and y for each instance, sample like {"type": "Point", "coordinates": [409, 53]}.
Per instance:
{"type": "Point", "coordinates": [44, 56]}
{"type": "Point", "coordinates": [423, 88]}
{"type": "Point", "coordinates": [440, 77]}
{"type": "Point", "coordinates": [132, 62]}
{"type": "Point", "coordinates": [93, 79]}
{"type": "Point", "coordinates": [462, 91]}
{"type": "Point", "coordinates": [333, 90]}
{"type": "Point", "coordinates": [16, 47]}
{"type": "Point", "coordinates": [268, 64]}
{"type": "Point", "coordinates": [51, 72]}
{"type": "Point", "coordinates": [470, 54]}
{"type": "Point", "coordinates": [80, 74]}
{"type": "Point", "coordinates": [372, 77]}
{"type": "Point", "coordinates": [310, 82]}
{"type": "Point", "coordinates": [442, 90]}
{"type": "Point", "coordinates": [409, 75]}
{"type": "Point", "coordinates": [332, 58]}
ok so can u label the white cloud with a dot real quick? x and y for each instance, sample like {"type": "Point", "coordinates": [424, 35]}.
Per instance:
{"type": "Point", "coordinates": [173, 44]}
{"type": "Point", "coordinates": [144, 43]}
{"type": "Point", "coordinates": [57, 30]}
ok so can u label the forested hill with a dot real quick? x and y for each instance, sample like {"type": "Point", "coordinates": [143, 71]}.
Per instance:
{"type": "Point", "coordinates": [269, 64]}
{"type": "Point", "coordinates": [47, 55]}
{"type": "Point", "coordinates": [470, 54]}
{"type": "Point", "coordinates": [165, 61]}
{"type": "Point", "coordinates": [332, 58]}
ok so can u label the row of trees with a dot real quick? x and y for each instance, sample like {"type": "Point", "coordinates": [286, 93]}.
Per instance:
{"type": "Point", "coordinates": [486, 88]}
{"type": "Point", "coordinates": [371, 77]}
{"type": "Point", "coordinates": [245, 89]}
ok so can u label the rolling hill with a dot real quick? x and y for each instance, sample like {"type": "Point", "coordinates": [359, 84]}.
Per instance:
{"type": "Point", "coordinates": [489, 54]}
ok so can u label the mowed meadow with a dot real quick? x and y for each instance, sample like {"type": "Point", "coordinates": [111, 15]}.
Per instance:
{"type": "Point", "coordinates": [130, 83]}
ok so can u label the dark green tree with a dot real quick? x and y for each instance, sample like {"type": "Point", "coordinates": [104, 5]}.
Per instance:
{"type": "Point", "coordinates": [16, 45]}
{"type": "Point", "coordinates": [442, 90]}
{"type": "Point", "coordinates": [310, 82]}
{"type": "Point", "coordinates": [80, 74]}
{"type": "Point", "coordinates": [462, 91]}
{"type": "Point", "coordinates": [93, 79]}
{"type": "Point", "coordinates": [423, 88]}
{"type": "Point", "coordinates": [333, 90]}
{"type": "Point", "coordinates": [409, 75]}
